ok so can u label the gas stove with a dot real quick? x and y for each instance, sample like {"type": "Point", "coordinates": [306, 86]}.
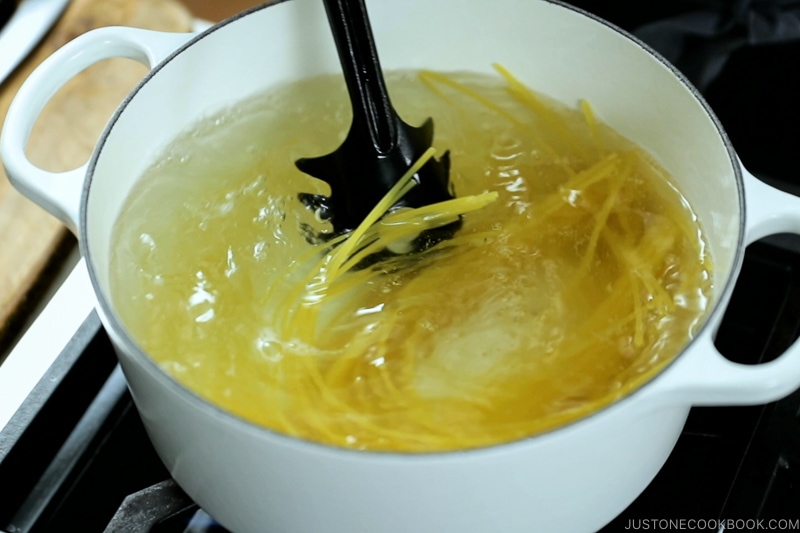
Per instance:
{"type": "Point", "coordinates": [74, 455]}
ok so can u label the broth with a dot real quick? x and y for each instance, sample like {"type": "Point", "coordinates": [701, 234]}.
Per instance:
{"type": "Point", "coordinates": [580, 276]}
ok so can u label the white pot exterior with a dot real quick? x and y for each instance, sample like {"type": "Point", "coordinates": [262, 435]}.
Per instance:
{"type": "Point", "coordinates": [573, 479]}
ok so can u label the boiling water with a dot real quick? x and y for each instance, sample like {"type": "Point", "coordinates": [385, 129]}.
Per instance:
{"type": "Point", "coordinates": [579, 282]}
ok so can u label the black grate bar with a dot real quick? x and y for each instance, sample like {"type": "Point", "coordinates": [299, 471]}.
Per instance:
{"type": "Point", "coordinates": [68, 457]}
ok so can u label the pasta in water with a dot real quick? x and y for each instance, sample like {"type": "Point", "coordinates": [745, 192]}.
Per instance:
{"type": "Point", "coordinates": [579, 272]}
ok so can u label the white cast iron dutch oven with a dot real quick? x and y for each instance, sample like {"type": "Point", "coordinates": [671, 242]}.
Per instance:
{"type": "Point", "coordinates": [576, 478]}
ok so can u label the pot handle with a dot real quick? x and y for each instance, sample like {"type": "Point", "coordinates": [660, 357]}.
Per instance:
{"type": "Point", "coordinates": [703, 376]}
{"type": "Point", "coordinates": [60, 192]}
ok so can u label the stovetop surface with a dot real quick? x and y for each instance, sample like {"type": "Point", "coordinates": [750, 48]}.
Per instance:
{"type": "Point", "coordinates": [75, 457]}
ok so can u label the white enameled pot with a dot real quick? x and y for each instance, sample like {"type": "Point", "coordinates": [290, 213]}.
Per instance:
{"type": "Point", "coordinates": [576, 478]}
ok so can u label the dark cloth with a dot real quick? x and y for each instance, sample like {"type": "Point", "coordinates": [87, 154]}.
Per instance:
{"type": "Point", "coordinates": [701, 40]}
{"type": "Point", "coordinates": [699, 36]}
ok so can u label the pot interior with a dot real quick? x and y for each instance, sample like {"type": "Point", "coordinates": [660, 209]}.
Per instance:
{"type": "Point", "coordinates": [553, 49]}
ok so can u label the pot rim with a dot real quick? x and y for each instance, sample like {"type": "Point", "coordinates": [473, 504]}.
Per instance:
{"type": "Point", "coordinates": [110, 318]}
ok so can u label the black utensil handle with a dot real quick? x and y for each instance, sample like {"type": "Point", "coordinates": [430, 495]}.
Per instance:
{"type": "Point", "coordinates": [362, 72]}
{"type": "Point", "coordinates": [7, 8]}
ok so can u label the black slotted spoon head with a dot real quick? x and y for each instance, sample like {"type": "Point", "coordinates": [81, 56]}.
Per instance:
{"type": "Point", "coordinates": [379, 147]}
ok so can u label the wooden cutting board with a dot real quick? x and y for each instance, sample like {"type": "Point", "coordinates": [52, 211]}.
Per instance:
{"type": "Point", "coordinates": [216, 10]}
{"type": "Point", "coordinates": [32, 242]}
